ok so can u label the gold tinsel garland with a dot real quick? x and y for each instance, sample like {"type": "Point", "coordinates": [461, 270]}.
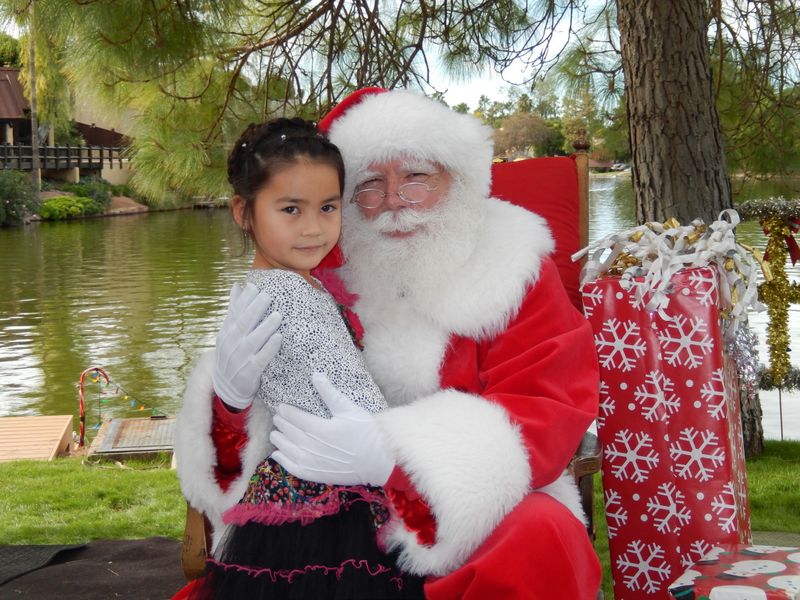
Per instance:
{"type": "Point", "coordinates": [777, 217]}
{"type": "Point", "coordinates": [777, 294]}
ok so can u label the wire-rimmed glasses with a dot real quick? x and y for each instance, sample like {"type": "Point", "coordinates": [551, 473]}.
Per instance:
{"type": "Point", "coordinates": [413, 192]}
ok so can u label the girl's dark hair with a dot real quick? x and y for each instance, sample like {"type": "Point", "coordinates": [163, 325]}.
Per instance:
{"type": "Point", "coordinates": [263, 149]}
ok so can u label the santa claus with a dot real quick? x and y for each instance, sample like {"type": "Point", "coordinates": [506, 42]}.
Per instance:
{"type": "Point", "coordinates": [489, 372]}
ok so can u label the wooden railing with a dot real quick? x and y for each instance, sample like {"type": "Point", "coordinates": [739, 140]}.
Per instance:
{"type": "Point", "coordinates": [15, 156]}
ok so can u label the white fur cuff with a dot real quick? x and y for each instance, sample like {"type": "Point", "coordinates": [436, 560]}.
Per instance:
{"type": "Point", "coordinates": [467, 459]}
{"type": "Point", "coordinates": [196, 456]}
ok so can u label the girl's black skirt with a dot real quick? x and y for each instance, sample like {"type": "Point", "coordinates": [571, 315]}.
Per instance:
{"type": "Point", "coordinates": [334, 556]}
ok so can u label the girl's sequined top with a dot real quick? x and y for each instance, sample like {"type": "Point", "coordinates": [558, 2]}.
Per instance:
{"type": "Point", "coordinates": [315, 340]}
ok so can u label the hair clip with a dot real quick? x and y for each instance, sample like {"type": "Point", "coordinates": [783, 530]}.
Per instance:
{"type": "Point", "coordinates": [244, 145]}
{"type": "Point", "coordinates": [283, 137]}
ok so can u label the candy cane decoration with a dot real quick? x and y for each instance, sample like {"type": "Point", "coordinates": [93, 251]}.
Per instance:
{"type": "Point", "coordinates": [96, 372]}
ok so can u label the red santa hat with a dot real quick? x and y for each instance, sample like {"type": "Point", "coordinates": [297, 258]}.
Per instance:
{"type": "Point", "coordinates": [374, 125]}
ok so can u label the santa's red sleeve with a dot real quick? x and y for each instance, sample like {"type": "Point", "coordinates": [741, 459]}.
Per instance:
{"type": "Point", "coordinates": [510, 415]}
{"type": "Point", "coordinates": [543, 370]}
{"type": "Point", "coordinates": [229, 435]}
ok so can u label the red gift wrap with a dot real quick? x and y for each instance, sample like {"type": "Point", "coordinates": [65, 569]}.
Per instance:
{"type": "Point", "coordinates": [742, 572]}
{"type": "Point", "coordinates": [673, 459]}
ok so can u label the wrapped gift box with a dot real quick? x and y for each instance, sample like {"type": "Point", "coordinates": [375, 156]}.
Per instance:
{"type": "Point", "coordinates": [742, 572]}
{"type": "Point", "coordinates": [673, 460]}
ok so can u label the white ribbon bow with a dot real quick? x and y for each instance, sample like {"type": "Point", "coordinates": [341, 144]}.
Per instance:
{"type": "Point", "coordinates": [661, 252]}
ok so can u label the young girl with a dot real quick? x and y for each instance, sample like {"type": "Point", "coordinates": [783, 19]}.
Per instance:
{"type": "Point", "coordinates": [291, 538]}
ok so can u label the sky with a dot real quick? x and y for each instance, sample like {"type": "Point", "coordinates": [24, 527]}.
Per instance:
{"type": "Point", "coordinates": [489, 84]}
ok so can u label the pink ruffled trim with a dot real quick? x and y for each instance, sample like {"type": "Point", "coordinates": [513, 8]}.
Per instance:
{"type": "Point", "coordinates": [270, 513]}
{"type": "Point", "coordinates": [290, 574]}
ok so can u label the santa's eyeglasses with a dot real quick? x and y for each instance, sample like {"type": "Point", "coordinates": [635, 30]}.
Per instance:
{"type": "Point", "coordinates": [411, 193]}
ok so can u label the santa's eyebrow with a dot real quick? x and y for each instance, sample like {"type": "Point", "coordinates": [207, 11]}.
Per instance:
{"type": "Point", "coordinates": [412, 166]}
{"type": "Point", "coordinates": [369, 175]}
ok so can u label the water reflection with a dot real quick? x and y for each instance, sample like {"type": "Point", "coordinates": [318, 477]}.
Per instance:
{"type": "Point", "coordinates": [140, 296]}
{"type": "Point", "coordinates": [143, 296]}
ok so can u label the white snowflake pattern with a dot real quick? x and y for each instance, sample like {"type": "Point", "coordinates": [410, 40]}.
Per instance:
{"type": "Point", "coordinates": [635, 457]}
{"type": "Point", "coordinates": [643, 567]}
{"type": "Point", "coordinates": [616, 514]}
{"type": "Point", "coordinates": [697, 550]}
{"type": "Point", "coordinates": [704, 283]}
{"type": "Point", "coordinates": [685, 342]}
{"type": "Point", "coordinates": [607, 405]}
{"type": "Point", "coordinates": [724, 506]}
{"type": "Point", "coordinates": [713, 392]}
{"type": "Point", "coordinates": [668, 509]}
{"type": "Point", "coordinates": [592, 297]}
{"type": "Point", "coordinates": [637, 292]}
{"type": "Point", "coordinates": [656, 397]}
{"type": "Point", "coordinates": [696, 454]}
{"type": "Point", "coordinates": [619, 345]}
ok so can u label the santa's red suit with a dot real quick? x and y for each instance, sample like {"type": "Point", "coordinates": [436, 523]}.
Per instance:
{"type": "Point", "coordinates": [491, 378]}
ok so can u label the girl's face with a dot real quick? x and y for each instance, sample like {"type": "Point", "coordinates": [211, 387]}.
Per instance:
{"type": "Point", "coordinates": [296, 217]}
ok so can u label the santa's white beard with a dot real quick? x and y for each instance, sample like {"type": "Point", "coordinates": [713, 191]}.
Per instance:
{"type": "Point", "coordinates": [443, 239]}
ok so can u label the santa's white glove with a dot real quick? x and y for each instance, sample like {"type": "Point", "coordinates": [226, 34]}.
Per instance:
{"type": "Point", "coordinates": [347, 449]}
{"type": "Point", "coordinates": [245, 346]}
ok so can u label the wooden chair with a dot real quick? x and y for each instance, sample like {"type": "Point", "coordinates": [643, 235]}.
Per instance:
{"type": "Point", "coordinates": [196, 543]}
{"type": "Point", "coordinates": [557, 189]}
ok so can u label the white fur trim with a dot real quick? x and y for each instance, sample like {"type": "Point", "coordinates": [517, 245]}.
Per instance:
{"type": "Point", "coordinates": [479, 300]}
{"type": "Point", "coordinates": [468, 460]}
{"type": "Point", "coordinates": [195, 453]}
{"type": "Point", "coordinates": [398, 124]}
{"type": "Point", "coordinates": [565, 490]}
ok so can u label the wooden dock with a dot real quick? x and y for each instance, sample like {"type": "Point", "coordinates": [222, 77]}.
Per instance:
{"type": "Point", "coordinates": [121, 438]}
{"type": "Point", "coordinates": [35, 438]}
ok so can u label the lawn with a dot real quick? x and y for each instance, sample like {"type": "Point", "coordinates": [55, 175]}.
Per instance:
{"type": "Point", "coordinates": [75, 500]}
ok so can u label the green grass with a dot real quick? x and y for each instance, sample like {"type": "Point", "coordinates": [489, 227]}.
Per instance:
{"type": "Point", "coordinates": [774, 483]}
{"type": "Point", "coordinates": [71, 500]}
{"type": "Point", "coordinates": [774, 492]}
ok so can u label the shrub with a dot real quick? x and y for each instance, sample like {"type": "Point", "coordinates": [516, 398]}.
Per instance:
{"type": "Point", "coordinates": [18, 197]}
{"type": "Point", "coordinates": [122, 189]}
{"type": "Point", "coordinates": [69, 207]}
{"type": "Point", "coordinates": [96, 189]}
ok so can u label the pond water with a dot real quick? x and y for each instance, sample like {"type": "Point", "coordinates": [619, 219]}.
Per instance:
{"type": "Point", "coordinates": [142, 297]}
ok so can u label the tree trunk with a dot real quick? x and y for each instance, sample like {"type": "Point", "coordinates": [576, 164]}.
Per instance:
{"type": "Point", "coordinates": [36, 170]}
{"type": "Point", "coordinates": [679, 167]}
{"type": "Point", "coordinates": [752, 429]}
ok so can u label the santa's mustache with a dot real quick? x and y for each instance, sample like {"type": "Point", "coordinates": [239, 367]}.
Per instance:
{"type": "Point", "coordinates": [400, 221]}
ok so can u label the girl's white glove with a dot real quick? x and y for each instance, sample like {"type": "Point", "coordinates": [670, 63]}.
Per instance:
{"type": "Point", "coordinates": [347, 449]}
{"type": "Point", "coordinates": [245, 346]}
